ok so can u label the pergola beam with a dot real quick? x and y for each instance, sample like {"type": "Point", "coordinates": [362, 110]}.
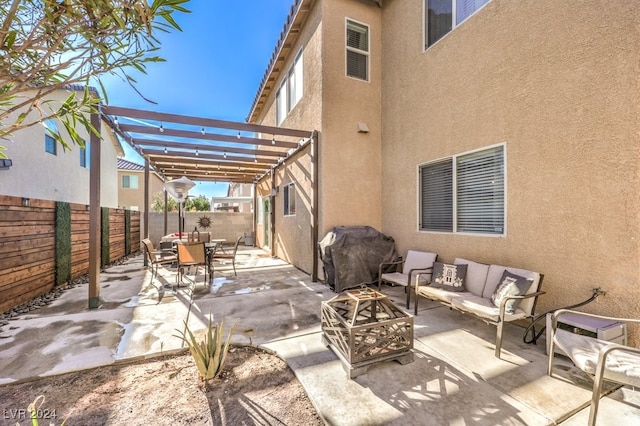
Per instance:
{"type": "Point", "coordinates": [202, 122]}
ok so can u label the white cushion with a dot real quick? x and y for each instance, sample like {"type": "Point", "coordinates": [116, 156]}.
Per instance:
{"type": "Point", "coordinates": [402, 279]}
{"type": "Point", "coordinates": [476, 275]}
{"type": "Point", "coordinates": [439, 294]}
{"type": "Point", "coordinates": [418, 260]}
{"type": "Point", "coordinates": [622, 367]}
{"type": "Point", "coordinates": [483, 308]}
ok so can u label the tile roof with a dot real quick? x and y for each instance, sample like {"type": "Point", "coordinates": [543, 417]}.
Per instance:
{"type": "Point", "coordinates": [128, 165]}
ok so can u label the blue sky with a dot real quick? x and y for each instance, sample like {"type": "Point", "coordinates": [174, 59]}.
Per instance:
{"type": "Point", "coordinates": [213, 67]}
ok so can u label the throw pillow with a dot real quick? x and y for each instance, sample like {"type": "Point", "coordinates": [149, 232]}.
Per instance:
{"type": "Point", "coordinates": [448, 277]}
{"type": "Point", "coordinates": [511, 285]}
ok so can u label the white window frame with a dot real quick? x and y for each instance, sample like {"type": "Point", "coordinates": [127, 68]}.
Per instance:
{"type": "Point", "coordinates": [289, 199]}
{"type": "Point", "coordinates": [50, 125]}
{"type": "Point", "coordinates": [85, 155]}
{"type": "Point", "coordinates": [455, 196]}
{"type": "Point", "coordinates": [348, 49]}
{"type": "Point", "coordinates": [281, 103]}
{"type": "Point", "coordinates": [260, 213]}
{"type": "Point", "coordinates": [133, 178]}
{"type": "Point", "coordinates": [454, 19]}
{"type": "Point", "coordinates": [291, 89]}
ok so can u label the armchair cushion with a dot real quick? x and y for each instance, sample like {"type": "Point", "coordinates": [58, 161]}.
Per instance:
{"type": "Point", "coordinates": [448, 276]}
{"type": "Point", "coordinates": [510, 285]}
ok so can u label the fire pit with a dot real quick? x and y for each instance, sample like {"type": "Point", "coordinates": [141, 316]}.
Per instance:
{"type": "Point", "coordinates": [363, 327]}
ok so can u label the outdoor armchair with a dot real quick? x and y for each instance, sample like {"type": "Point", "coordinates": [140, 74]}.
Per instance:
{"type": "Point", "coordinates": [602, 360]}
{"type": "Point", "coordinates": [416, 261]}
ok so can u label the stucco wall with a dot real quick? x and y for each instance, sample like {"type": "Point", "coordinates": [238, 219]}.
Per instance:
{"type": "Point", "coordinates": [558, 83]}
{"type": "Point", "coordinates": [293, 233]}
{"type": "Point", "coordinates": [38, 174]}
{"type": "Point", "coordinates": [350, 162]}
{"type": "Point", "coordinates": [135, 197]}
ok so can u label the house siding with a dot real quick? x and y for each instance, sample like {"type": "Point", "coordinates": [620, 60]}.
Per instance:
{"type": "Point", "coordinates": [349, 163]}
{"type": "Point", "coordinates": [558, 83]}
{"type": "Point", "coordinates": [38, 174]}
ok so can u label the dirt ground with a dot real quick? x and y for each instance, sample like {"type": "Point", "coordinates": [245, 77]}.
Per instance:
{"type": "Point", "coordinates": [255, 388]}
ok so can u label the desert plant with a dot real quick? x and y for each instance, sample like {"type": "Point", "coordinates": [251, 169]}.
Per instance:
{"type": "Point", "coordinates": [36, 413]}
{"type": "Point", "coordinates": [209, 354]}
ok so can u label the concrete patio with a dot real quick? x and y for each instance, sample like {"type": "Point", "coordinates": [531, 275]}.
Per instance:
{"type": "Point", "coordinates": [454, 379]}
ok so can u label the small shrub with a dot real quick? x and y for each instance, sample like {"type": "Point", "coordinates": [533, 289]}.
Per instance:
{"type": "Point", "coordinates": [209, 354]}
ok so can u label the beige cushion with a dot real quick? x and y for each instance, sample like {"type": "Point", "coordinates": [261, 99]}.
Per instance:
{"type": "Point", "coordinates": [483, 308]}
{"type": "Point", "coordinates": [476, 276]}
{"type": "Point", "coordinates": [622, 367]}
{"type": "Point", "coordinates": [418, 260]}
{"type": "Point", "coordinates": [439, 294]}
{"type": "Point", "coordinates": [402, 279]}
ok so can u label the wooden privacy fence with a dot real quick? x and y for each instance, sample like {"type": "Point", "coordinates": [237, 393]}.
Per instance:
{"type": "Point", "coordinates": [46, 243]}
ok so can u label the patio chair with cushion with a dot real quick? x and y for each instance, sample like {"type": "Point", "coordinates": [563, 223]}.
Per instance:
{"type": "Point", "coordinates": [229, 256]}
{"type": "Point", "coordinates": [191, 254]}
{"type": "Point", "coordinates": [602, 360]}
{"type": "Point", "coordinates": [157, 258]}
{"type": "Point", "coordinates": [412, 264]}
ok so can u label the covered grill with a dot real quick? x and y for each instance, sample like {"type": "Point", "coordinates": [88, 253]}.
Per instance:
{"type": "Point", "coordinates": [351, 255]}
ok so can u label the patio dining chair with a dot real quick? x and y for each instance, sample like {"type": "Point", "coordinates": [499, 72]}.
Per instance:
{"type": "Point", "coordinates": [191, 255]}
{"type": "Point", "coordinates": [600, 359]}
{"type": "Point", "coordinates": [157, 258]}
{"type": "Point", "coordinates": [229, 256]}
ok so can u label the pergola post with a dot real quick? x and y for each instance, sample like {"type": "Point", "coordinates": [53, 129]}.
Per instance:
{"type": "Point", "coordinates": [146, 202]}
{"type": "Point", "coordinates": [314, 204]}
{"type": "Point", "coordinates": [94, 214]}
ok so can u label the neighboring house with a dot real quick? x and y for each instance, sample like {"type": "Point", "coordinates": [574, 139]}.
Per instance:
{"type": "Point", "coordinates": [499, 131]}
{"type": "Point", "coordinates": [239, 198]}
{"type": "Point", "coordinates": [131, 185]}
{"type": "Point", "coordinates": [42, 169]}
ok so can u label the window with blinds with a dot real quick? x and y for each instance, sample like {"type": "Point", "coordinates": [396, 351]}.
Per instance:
{"type": "Point", "coordinates": [464, 193]}
{"type": "Point", "coordinates": [357, 50]}
{"type": "Point", "coordinates": [442, 16]}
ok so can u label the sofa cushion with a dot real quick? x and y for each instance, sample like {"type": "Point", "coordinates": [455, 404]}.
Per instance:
{"type": "Point", "coordinates": [494, 278]}
{"type": "Point", "coordinates": [482, 307]}
{"type": "Point", "coordinates": [476, 275]}
{"type": "Point", "coordinates": [449, 276]}
{"type": "Point", "coordinates": [510, 285]}
{"type": "Point", "coordinates": [439, 294]}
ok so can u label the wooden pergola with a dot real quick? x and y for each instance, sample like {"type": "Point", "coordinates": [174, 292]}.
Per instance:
{"type": "Point", "coordinates": [202, 149]}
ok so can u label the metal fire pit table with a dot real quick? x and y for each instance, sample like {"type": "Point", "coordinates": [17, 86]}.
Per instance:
{"type": "Point", "coordinates": [363, 327]}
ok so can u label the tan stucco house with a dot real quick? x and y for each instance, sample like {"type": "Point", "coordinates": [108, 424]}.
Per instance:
{"type": "Point", "coordinates": [42, 169]}
{"type": "Point", "coordinates": [498, 131]}
{"type": "Point", "coordinates": [131, 185]}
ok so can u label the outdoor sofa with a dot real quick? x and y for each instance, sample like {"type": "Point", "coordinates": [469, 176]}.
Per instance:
{"type": "Point", "coordinates": [493, 293]}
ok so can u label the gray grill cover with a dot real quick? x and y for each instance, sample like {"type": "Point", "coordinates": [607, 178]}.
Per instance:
{"type": "Point", "coordinates": [351, 255]}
